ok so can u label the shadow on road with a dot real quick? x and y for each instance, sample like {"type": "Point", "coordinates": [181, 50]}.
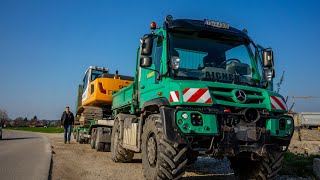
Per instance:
{"type": "Point", "coordinates": [209, 168]}
{"type": "Point", "coordinates": [21, 138]}
{"type": "Point", "coordinates": [136, 161]}
{"type": "Point", "coordinates": [50, 169]}
{"type": "Point", "coordinates": [211, 177]}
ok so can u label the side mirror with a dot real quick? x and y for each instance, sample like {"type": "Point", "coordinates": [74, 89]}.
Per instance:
{"type": "Point", "coordinates": [145, 62]}
{"type": "Point", "coordinates": [146, 46]}
{"type": "Point", "coordinates": [268, 58]}
{"type": "Point", "coordinates": [175, 62]}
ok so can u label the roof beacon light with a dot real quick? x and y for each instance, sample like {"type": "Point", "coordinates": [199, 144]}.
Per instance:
{"type": "Point", "coordinates": [153, 26]}
{"type": "Point", "coordinates": [169, 18]}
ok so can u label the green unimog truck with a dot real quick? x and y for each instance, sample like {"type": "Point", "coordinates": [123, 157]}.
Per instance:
{"type": "Point", "coordinates": [201, 87]}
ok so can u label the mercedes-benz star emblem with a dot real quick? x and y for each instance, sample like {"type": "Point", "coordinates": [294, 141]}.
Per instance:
{"type": "Point", "coordinates": [241, 95]}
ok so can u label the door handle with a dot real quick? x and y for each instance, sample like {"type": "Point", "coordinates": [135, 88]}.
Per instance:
{"type": "Point", "coordinates": [142, 87]}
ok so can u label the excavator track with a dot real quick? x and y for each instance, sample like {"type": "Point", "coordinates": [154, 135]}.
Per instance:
{"type": "Point", "coordinates": [87, 113]}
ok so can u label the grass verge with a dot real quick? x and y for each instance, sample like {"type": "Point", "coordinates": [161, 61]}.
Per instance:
{"type": "Point", "coordinates": [299, 165]}
{"type": "Point", "coordinates": [38, 129]}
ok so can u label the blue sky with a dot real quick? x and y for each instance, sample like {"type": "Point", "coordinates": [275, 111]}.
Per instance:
{"type": "Point", "coordinates": [46, 46]}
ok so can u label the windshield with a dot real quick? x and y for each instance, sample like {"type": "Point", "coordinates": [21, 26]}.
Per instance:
{"type": "Point", "coordinates": [213, 57]}
{"type": "Point", "coordinates": [95, 74]}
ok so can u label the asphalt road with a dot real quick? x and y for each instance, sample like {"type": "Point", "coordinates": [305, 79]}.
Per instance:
{"type": "Point", "coordinates": [24, 155]}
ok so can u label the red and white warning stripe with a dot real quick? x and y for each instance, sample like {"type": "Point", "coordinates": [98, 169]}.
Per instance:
{"type": "Point", "coordinates": [278, 103]}
{"type": "Point", "coordinates": [199, 95]}
{"type": "Point", "coordinates": [174, 96]}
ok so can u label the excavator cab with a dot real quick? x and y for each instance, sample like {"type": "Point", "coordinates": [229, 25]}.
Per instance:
{"type": "Point", "coordinates": [95, 93]}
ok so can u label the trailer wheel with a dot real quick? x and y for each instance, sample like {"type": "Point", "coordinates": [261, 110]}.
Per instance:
{"type": "Point", "coordinates": [93, 138]}
{"type": "Point", "coordinates": [119, 154]}
{"type": "Point", "coordinates": [81, 140]}
{"type": "Point", "coordinates": [98, 145]}
{"type": "Point", "coordinates": [107, 147]}
{"type": "Point", "coordinates": [77, 136]}
{"type": "Point", "coordinates": [160, 158]}
{"type": "Point", "coordinates": [266, 168]}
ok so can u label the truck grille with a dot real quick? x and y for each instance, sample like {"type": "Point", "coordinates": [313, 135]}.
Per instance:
{"type": "Point", "coordinates": [226, 94]}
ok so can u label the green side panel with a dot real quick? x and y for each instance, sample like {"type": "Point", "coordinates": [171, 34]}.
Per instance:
{"type": "Point", "coordinates": [273, 126]}
{"type": "Point", "coordinates": [201, 123]}
{"type": "Point", "coordinates": [123, 97]}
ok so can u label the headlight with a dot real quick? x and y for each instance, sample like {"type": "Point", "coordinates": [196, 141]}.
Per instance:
{"type": "Point", "coordinates": [268, 75]}
{"type": "Point", "coordinates": [184, 115]}
{"type": "Point", "coordinates": [175, 62]}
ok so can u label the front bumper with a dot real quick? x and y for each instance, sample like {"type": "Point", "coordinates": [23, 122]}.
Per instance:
{"type": "Point", "coordinates": [215, 126]}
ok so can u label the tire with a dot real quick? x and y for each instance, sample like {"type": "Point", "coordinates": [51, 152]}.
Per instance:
{"type": "Point", "coordinates": [77, 136]}
{"type": "Point", "coordinates": [81, 140]}
{"type": "Point", "coordinates": [99, 146]}
{"type": "Point", "coordinates": [160, 159]}
{"type": "Point", "coordinates": [93, 138]}
{"type": "Point", "coordinates": [119, 154]}
{"type": "Point", "coordinates": [265, 169]}
{"type": "Point", "coordinates": [107, 147]}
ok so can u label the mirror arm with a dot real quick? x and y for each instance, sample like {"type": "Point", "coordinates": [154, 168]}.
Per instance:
{"type": "Point", "coordinates": [155, 71]}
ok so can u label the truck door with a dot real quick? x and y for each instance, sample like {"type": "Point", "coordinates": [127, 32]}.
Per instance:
{"type": "Point", "coordinates": [148, 81]}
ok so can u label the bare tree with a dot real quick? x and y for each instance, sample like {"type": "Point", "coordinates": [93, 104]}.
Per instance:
{"type": "Point", "coordinates": [19, 121]}
{"type": "Point", "coordinates": [3, 117]}
{"type": "Point", "coordinates": [280, 82]}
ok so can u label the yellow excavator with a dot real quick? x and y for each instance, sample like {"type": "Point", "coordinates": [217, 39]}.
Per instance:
{"type": "Point", "coordinates": [94, 105]}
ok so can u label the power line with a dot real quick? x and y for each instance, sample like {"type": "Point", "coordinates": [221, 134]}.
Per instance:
{"type": "Point", "coordinates": [305, 97]}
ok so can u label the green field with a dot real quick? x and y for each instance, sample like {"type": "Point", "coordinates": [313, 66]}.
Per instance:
{"type": "Point", "coordinates": [38, 129]}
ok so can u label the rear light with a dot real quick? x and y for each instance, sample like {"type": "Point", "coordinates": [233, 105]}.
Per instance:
{"type": "Point", "coordinates": [102, 90]}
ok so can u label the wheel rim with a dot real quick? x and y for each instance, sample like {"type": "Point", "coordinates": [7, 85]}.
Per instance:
{"type": "Point", "coordinates": [152, 150]}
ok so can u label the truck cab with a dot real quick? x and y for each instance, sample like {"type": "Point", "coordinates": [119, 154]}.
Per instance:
{"type": "Point", "coordinates": [202, 87]}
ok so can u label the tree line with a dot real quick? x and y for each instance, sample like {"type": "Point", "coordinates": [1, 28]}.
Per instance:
{"type": "Point", "coordinates": [5, 121]}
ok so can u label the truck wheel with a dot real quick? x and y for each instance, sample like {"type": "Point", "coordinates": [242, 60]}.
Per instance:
{"type": "Point", "coordinates": [119, 154]}
{"type": "Point", "coordinates": [265, 169]}
{"type": "Point", "coordinates": [160, 159]}
{"type": "Point", "coordinates": [93, 138]}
